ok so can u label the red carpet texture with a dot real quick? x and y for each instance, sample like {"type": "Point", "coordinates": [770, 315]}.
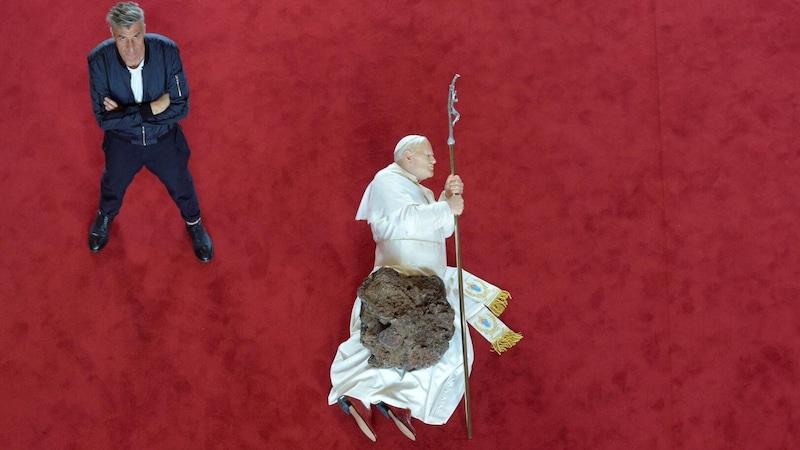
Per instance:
{"type": "Point", "coordinates": [631, 178]}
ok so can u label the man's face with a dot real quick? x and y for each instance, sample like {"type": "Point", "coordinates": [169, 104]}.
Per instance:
{"type": "Point", "coordinates": [130, 43]}
{"type": "Point", "coordinates": [422, 161]}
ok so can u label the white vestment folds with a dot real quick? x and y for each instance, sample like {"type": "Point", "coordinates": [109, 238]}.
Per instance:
{"type": "Point", "coordinates": [409, 227]}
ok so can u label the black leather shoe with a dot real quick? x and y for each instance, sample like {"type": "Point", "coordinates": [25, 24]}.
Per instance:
{"type": "Point", "coordinates": [201, 242]}
{"type": "Point", "coordinates": [98, 234]}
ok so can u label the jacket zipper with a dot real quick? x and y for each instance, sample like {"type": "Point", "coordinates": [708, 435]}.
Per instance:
{"type": "Point", "coordinates": [180, 94]}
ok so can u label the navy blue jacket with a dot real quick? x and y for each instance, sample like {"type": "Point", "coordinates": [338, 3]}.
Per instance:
{"type": "Point", "coordinates": [162, 73]}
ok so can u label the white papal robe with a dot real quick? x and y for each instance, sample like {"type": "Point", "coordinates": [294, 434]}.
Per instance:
{"type": "Point", "coordinates": [409, 227]}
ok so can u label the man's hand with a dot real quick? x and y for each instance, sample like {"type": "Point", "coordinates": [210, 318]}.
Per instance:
{"type": "Point", "coordinates": [110, 105]}
{"type": "Point", "coordinates": [160, 104]}
{"type": "Point", "coordinates": [453, 186]}
{"type": "Point", "coordinates": [456, 203]}
{"type": "Point", "coordinates": [157, 106]}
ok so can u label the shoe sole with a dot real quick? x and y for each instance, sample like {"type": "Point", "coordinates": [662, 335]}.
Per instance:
{"type": "Point", "coordinates": [362, 424]}
{"type": "Point", "coordinates": [402, 427]}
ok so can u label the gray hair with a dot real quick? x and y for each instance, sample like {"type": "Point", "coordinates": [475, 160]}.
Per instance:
{"type": "Point", "coordinates": [125, 15]}
{"type": "Point", "coordinates": [407, 143]}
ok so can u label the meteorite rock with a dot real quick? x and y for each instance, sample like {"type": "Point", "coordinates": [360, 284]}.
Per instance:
{"type": "Point", "coordinates": [406, 321]}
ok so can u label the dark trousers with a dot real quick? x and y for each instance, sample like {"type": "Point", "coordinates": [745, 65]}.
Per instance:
{"type": "Point", "coordinates": [168, 159]}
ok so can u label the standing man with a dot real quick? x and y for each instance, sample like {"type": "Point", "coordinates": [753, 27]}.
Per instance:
{"type": "Point", "coordinates": [410, 227]}
{"type": "Point", "coordinates": [139, 95]}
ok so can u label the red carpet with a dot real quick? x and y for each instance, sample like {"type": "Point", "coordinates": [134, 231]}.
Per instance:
{"type": "Point", "coordinates": [631, 178]}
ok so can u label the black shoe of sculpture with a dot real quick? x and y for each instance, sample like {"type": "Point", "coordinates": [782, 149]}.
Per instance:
{"type": "Point", "coordinates": [362, 415]}
{"type": "Point", "coordinates": [400, 417]}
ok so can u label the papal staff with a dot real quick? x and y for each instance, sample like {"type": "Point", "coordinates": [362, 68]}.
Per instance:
{"type": "Point", "coordinates": [452, 118]}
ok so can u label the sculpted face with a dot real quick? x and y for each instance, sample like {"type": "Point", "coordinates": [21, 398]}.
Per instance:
{"type": "Point", "coordinates": [130, 43]}
{"type": "Point", "coordinates": [420, 161]}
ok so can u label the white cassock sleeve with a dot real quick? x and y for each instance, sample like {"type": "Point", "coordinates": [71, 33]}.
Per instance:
{"type": "Point", "coordinates": [399, 208]}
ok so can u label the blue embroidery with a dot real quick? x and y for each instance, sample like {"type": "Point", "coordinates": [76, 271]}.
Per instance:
{"type": "Point", "coordinates": [486, 323]}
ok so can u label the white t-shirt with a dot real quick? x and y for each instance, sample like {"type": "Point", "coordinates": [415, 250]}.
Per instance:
{"type": "Point", "coordinates": [136, 81]}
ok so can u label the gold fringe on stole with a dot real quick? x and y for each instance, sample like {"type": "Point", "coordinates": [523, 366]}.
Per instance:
{"type": "Point", "coordinates": [499, 303]}
{"type": "Point", "coordinates": [506, 341]}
